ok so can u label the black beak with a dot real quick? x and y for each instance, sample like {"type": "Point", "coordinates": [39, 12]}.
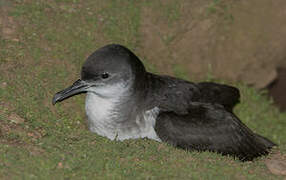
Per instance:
{"type": "Point", "coordinates": [78, 87]}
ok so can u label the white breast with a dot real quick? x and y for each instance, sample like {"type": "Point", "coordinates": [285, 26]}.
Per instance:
{"type": "Point", "coordinates": [104, 119]}
{"type": "Point", "coordinates": [99, 112]}
{"type": "Point", "coordinates": [143, 126]}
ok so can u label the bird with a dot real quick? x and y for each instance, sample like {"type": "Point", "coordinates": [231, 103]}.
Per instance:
{"type": "Point", "coordinates": [125, 101]}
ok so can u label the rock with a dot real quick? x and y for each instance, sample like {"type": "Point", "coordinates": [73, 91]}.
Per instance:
{"type": "Point", "coordinates": [276, 165]}
{"type": "Point", "coordinates": [3, 85]}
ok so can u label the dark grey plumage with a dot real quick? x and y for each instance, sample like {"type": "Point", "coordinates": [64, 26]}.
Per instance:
{"type": "Point", "coordinates": [193, 116]}
{"type": "Point", "coordinates": [199, 117]}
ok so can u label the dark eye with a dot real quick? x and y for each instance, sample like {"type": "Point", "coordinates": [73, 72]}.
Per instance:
{"type": "Point", "coordinates": [104, 75]}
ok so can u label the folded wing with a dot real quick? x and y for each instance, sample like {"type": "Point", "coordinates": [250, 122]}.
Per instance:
{"type": "Point", "coordinates": [209, 127]}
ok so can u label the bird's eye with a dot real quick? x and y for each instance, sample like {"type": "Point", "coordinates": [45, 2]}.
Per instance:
{"type": "Point", "coordinates": [104, 75]}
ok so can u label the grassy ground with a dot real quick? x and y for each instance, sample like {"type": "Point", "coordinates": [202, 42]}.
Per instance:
{"type": "Point", "coordinates": [42, 53]}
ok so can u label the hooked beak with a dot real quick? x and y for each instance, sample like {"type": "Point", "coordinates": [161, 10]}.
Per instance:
{"type": "Point", "coordinates": [78, 87]}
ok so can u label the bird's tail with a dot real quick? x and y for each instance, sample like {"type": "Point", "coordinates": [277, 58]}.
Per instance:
{"type": "Point", "coordinates": [266, 142]}
{"type": "Point", "coordinates": [260, 146]}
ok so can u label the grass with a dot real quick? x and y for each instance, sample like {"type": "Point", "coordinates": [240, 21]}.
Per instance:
{"type": "Point", "coordinates": [54, 38]}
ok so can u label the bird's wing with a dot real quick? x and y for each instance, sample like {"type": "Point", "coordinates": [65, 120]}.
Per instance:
{"type": "Point", "coordinates": [175, 94]}
{"type": "Point", "coordinates": [209, 127]}
{"type": "Point", "coordinates": [225, 95]}
{"type": "Point", "coordinates": [171, 94]}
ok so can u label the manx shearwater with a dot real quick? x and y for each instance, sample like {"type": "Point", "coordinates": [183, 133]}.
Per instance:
{"type": "Point", "coordinates": [124, 101]}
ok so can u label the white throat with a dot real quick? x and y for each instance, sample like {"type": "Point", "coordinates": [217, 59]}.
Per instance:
{"type": "Point", "coordinates": [105, 118]}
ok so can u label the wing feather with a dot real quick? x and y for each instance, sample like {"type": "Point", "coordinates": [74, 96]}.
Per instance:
{"type": "Point", "coordinates": [175, 94]}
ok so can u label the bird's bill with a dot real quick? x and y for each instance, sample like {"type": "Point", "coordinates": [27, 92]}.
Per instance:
{"type": "Point", "coordinates": [78, 87]}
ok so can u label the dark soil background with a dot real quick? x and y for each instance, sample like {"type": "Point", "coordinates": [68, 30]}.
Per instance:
{"type": "Point", "coordinates": [277, 89]}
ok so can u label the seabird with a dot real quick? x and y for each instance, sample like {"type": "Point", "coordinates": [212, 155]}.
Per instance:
{"type": "Point", "coordinates": [124, 101]}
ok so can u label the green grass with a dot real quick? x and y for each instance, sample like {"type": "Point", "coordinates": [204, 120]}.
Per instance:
{"type": "Point", "coordinates": [55, 37]}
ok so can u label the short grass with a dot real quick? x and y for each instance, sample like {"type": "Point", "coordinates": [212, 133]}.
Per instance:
{"type": "Point", "coordinates": [53, 38]}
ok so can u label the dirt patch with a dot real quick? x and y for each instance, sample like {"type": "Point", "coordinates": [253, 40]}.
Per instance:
{"type": "Point", "coordinates": [14, 131]}
{"type": "Point", "coordinates": [232, 40]}
{"type": "Point", "coordinates": [14, 118]}
{"type": "Point", "coordinates": [163, 37]}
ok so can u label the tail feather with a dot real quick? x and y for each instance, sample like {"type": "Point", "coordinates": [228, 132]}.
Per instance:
{"type": "Point", "coordinates": [260, 146]}
{"type": "Point", "coordinates": [266, 142]}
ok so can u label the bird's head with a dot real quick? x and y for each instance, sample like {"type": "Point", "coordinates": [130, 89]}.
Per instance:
{"type": "Point", "coordinates": [107, 72]}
